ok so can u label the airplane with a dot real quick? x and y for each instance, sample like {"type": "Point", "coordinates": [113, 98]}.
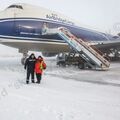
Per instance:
{"type": "Point", "coordinates": [21, 27]}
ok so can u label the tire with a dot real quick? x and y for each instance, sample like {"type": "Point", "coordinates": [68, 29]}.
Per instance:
{"type": "Point", "coordinates": [23, 61]}
{"type": "Point", "coordinates": [81, 66]}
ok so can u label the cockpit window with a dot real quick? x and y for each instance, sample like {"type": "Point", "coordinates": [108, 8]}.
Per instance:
{"type": "Point", "coordinates": [16, 6]}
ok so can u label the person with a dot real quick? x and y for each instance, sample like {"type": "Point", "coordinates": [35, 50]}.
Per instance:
{"type": "Point", "coordinates": [30, 66]}
{"type": "Point", "coordinates": [45, 28]}
{"type": "Point", "coordinates": [39, 67]}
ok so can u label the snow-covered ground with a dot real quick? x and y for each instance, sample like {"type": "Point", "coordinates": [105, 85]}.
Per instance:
{"type": "Point", "coordinates": [64, 94]}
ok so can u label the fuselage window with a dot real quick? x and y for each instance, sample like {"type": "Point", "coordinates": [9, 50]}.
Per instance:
{"type": "Point", "coordinates": [16, 6]}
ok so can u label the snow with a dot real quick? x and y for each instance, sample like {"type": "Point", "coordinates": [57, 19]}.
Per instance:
{"type": "Point", "coordinates": [64, 94]}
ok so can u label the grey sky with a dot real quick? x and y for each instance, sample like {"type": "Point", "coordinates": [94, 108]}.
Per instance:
{"type": "Point", "coordinates": [102, 15]}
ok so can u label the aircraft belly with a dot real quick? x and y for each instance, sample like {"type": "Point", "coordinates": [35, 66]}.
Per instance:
{"type": "Point", "coordinates": [36, 46]}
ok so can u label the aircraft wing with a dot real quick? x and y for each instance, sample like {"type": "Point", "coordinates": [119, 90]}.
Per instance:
{"type": "Point", "coordinates": [107, 45]}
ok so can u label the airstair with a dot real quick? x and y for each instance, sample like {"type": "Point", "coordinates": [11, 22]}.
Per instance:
{"type": "Point", "coordinates": [92, 57]}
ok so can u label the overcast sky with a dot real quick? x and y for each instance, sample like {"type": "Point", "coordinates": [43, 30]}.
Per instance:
{"type": "Point", "coordinates": [102, 15]}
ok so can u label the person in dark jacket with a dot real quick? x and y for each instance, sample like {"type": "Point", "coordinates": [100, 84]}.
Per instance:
{"type": "Point", "coordinates": [30, 66]}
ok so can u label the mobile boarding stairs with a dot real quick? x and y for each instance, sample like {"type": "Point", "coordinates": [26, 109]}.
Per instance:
{"type": "Point", "coordinates": [92, 57]}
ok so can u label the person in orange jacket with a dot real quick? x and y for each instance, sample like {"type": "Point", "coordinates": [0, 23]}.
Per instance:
{"type": "Point", "coordinates": [39, 67]}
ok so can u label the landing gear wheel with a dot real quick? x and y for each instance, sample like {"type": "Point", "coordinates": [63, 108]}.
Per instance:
{"type": "Point", "coordinates": [25, 55]}
{"type": "Point", "coordinates": [23, 61]}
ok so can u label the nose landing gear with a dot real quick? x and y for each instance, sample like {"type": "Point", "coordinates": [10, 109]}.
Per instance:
{"type": "Point", "coordinates": [25, 55]}
{"type": "Point", "coordinates": [23, 59]}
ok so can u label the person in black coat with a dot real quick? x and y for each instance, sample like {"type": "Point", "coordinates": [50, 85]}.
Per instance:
{"type": "Point", "coordinates": [30, 66]}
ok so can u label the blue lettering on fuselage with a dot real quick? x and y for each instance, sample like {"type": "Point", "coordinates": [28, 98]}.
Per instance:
{"type": "Point", "coordinates": [57, 18]}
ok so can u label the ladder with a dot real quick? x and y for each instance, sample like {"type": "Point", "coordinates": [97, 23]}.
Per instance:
{"type": "Point", "coordinates": [91, 56]}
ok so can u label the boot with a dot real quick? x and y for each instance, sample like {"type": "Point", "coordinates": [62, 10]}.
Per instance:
{"type": "Point", "coordinates": [27, 82]}
{"type": "Point", "coordinates": [33, 81]}
{"type": "Point", "coordinates": [38, 82]}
